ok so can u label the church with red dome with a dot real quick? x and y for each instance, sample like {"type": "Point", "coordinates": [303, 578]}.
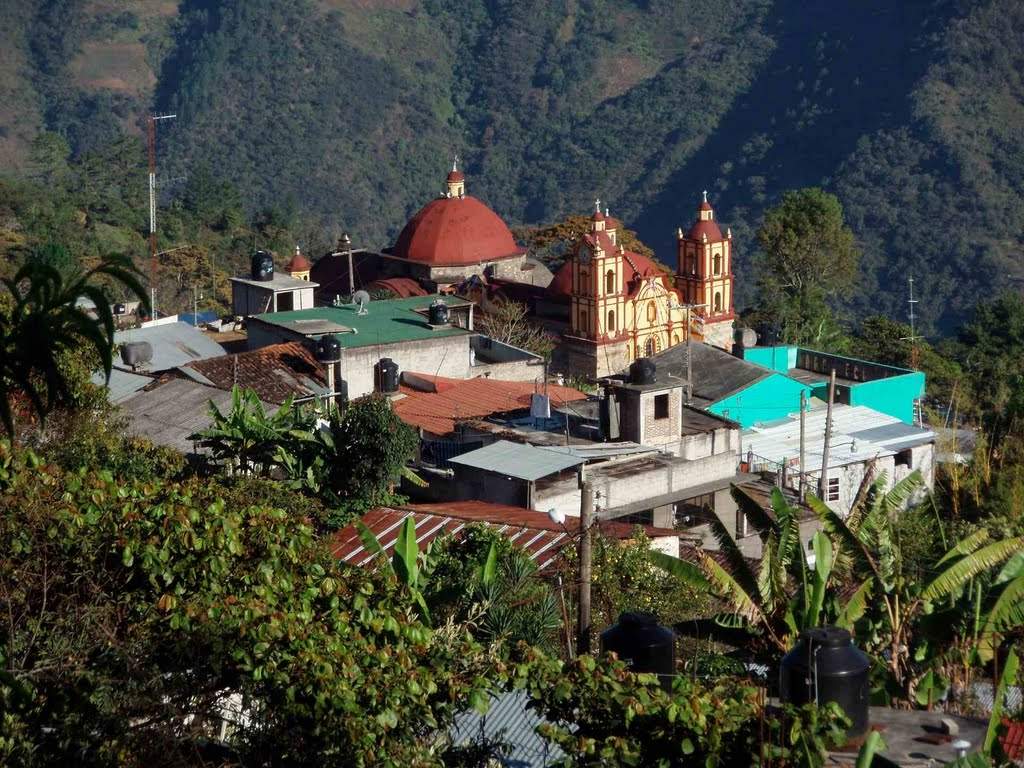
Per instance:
{"type": "Point", "coordinates": [450, 239]}
{"type": "Point", "coordinates": [610, 305]}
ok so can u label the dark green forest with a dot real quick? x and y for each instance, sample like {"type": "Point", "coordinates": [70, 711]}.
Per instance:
{"type": "Point", "coordinates": [332, 114]}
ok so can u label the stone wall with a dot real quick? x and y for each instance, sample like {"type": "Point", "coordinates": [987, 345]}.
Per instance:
{"type": "Point", "coordinates": [584, 358]}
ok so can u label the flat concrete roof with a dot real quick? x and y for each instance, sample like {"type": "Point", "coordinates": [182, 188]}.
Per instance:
{"type": "Point", "coordinates": [279, 283]}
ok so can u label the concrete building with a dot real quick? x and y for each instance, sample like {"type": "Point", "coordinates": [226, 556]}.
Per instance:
{"type": "Point", "coordinates": [862, 439]}
{"type": "Point", "coordinates": [398, 329]}
{"type": "Point", "coordinates": [884, 388]}
{"type": "Point", "coordinates": [282, 293]}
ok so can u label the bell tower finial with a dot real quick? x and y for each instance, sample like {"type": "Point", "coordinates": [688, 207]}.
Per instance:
{"type": "Point", "coordinates": [705, 195]}
{"type": "Point", "coordinates": [456, 181]}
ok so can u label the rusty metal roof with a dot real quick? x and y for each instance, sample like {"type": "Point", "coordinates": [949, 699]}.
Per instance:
{"type": "Point", "coordinates": [533, 531]}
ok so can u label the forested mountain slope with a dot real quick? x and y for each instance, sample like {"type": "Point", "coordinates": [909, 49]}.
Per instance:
{"type": "Point", "coordinates": [351, 110]}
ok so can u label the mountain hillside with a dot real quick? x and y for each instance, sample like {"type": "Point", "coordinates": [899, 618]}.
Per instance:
{"type": "Point", "coordinates": [352, 110]}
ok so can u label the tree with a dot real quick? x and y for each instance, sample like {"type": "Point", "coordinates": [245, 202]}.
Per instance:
{"type": "Point", "coordinates": [509, 323]}
{"type": "Point", "coordinates": [45, 320]}
{"type": "Point", "coordinates": [601, 714]}
{"type": "Point", "coordinates": [993, 355]}
{"type": "Point", "coordinates": [551, 242]}
{"type": "Point", "coordinates": [140, 611]}
{"type": "Point", "coordinates": [808, 255]}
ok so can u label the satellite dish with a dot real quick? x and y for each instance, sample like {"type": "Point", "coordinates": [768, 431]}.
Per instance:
{"type": "Point", "coordinates": [361, 299]}
{"type": "Point", "coordinates": [557, 516]}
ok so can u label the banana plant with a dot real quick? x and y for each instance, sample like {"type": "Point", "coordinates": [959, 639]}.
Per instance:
{"type": "Point", "coordinates": [766, 604]}
{"type": "Point", "coordinates": [413, 567]}
{"type": "Point", "coordinates": [964, 582]}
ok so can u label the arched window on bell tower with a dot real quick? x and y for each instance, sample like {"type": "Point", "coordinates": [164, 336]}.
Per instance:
{"type": "Point", "coordinates": [611, 321]}
{"type": "Point", "coordinates": [609, 281]}
{"type": "Point", "coordinates": [718, 264]}
{"type": "Point", "coordinates": [718, 302]}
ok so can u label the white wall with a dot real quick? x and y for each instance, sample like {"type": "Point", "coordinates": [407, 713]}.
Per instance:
{"type": "Point", "coordinates": [444, 356]}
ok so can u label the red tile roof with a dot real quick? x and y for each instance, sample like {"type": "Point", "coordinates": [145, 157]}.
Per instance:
{"type": "Point", "coordinates": [533, 531]}
{"type": "Point", "coordinates": [701, 228]}
{"type": "Point", "coordinates": [1012, 741]}
{"type": "Point", "coordinates": [275, 373]}
{"type": "Point", "coordinates": [402, 287]}
{"type": "Point", "coordinates": [452, 400]}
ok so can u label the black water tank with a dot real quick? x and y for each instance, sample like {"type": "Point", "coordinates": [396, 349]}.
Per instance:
{"type": "Point", "coordinates": [328, 349]}
{"type": "Point", "coordinates": [642, 643]}
{"type": "Point", "coordinates": [262, 266]}
{"type": "Point", "coordinates": [825, 665]}
{"type": "Point", "coordinates": [438, 313]}
{"type": "Point", "coordinates": [136, 353]}
{"type": "Point", "coordinates": [642, 371]}
{"type": "Point", "coordinates": [387, 375]}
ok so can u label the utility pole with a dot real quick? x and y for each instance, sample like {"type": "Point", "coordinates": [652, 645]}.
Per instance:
{"type": "Point", "coordinates": [803, 442]}
{"type": "Point", "coordinates": [689, 356]}
{"type": "Point", "coordinates": [823, 478]}
{"type": "Point", "coordinates": [586, 521]}
{"type": "Point", "coordinates": [151, 146]}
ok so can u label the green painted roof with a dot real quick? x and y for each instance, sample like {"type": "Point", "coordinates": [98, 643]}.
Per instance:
{"type": "Point", "coordinates": [388, 321]}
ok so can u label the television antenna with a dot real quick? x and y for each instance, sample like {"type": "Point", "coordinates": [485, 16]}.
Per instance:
{"type": "Point", "coordinates": [361, 299]}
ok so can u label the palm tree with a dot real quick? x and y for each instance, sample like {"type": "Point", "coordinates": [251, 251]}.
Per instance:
{"type": "Point", "coordinates": [45, 321]}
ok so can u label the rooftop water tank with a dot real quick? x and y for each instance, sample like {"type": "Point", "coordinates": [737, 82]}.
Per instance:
{"type": "Point", "coordinates": [262, 266]}
{"type": "Point", "coordinates": [642, 643]}
{"type": "Point", "coordinates": [438, 313]}
{"type": "Point", "coordinates": [136, 353]}
{"type": "Point", "coordinates": [328, 349]}
{"type": "Point", "coordinates": [824, 666]}
{"type": "Point", "coordinates": [642, 371]}
{"type": "Point", "coordinates": [387, 375]}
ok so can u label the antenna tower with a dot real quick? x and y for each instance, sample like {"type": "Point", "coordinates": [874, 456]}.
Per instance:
{"type": "Point", "coordinates": [913, 338]}
{"type": "Point", "coordinates": [151, 146]}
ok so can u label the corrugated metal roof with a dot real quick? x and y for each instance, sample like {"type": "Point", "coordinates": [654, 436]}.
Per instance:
{"type": "Point", "coordinates": [173, 410]}
{"type": "Point", "coordinates": [524, 462]}
{"type": "Point", "coordinates": [716, 373]}
{"type": "Point", "coordinates": [173, 344]}
{"type": "Point", "coordinates": [851, 441]}
{"type": "Point", "coordinates": [122, 384]}
{"type": "Point", "coordinates": [601, 450]}
{"type": "Point", "coordinates": [274, 373]}
{"type": "Point", "coordinates": [533, 531]}
{"type": "Point", "coordinates": [510, 722]}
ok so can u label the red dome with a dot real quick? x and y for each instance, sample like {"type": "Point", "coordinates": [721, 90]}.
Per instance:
{"type": "Point", "coordinates": [455, 176]}
{"type": "Point", "coordinates": [298, 263]}
{"type": "Point", "coordinates": [456, 231]}
{"type": "Point", "coordinates": [701, 228]}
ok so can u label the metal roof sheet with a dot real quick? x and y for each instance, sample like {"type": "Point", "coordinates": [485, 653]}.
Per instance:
{"type": "Point", "coordinates": [716, 373]}
{"type": "Point", "coordinates": [173, 410]}
{"type": "Point", "coordinates": [512, 723]}
{"type": "Point", "coordinates": [524, 462]}
{"type": "Point", "coordinates": [173, 344]}
{"type": "Point", "coordinates": [534, 532]}
{"type": "Point", "coordinates": [852, 443]}
{"type": "Point", "coordinates": [121, 385]}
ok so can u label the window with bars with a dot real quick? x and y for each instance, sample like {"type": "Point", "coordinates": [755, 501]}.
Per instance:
{"type": "Point", "coordinates": [832, 493]}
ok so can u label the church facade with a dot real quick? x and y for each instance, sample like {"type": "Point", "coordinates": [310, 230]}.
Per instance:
{"type": "Point", "coordinates": [624, 306]}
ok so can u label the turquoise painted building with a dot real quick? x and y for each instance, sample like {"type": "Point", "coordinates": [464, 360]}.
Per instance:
{"type": "Point", "coordinates": [884, 388]}
{"type": "Point", "coordinates": [767, 399]}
